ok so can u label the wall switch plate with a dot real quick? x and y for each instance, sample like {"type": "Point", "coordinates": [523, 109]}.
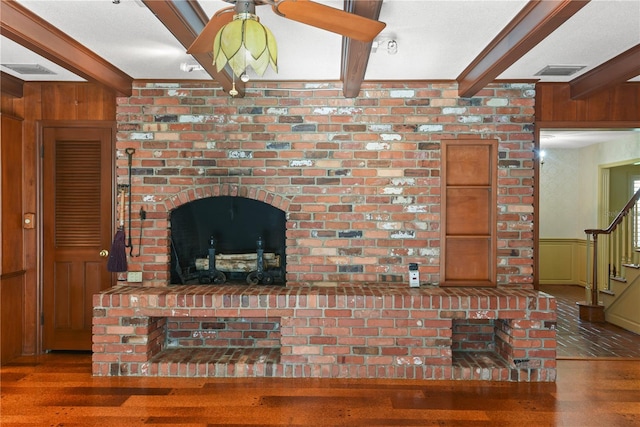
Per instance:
{"type": "Point", "coordinates": [134, 276]}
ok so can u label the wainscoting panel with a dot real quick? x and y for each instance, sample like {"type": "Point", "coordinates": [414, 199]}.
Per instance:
{"type": "Point", "coordinates": [563, 261]}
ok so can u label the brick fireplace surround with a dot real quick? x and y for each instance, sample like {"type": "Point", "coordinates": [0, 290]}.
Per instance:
{"type": "Point", "coordinates": [359, 182]}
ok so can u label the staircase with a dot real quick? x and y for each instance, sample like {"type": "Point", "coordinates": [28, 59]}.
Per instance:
{"type": "Point", "coordinates": [622, 299]}
{"type": "Point", "coordinates": [617, 299]}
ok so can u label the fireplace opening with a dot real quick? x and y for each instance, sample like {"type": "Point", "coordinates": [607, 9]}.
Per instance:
{"type": "Point", "coordinates": [245, 238]}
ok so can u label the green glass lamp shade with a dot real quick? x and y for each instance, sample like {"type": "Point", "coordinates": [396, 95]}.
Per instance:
{"type": "Point", "coordinates": [245, 42]}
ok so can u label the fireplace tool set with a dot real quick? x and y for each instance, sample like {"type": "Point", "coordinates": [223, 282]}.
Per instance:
{"type": "Point", "coordinates": [118, 258]}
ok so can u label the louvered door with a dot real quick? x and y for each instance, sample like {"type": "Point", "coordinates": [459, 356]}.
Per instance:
{"type": "Point", "coordinates": [77, 229]}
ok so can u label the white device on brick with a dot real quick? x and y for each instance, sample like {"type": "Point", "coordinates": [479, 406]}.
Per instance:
{"type": "Point", "coordinates": [414, 275]}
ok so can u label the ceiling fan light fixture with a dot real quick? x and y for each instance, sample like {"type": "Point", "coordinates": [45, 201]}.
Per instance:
{"type": "Point", "coordinates": [245, 42]}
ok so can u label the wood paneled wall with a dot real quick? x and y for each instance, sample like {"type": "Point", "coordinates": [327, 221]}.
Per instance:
{"type": "Point", "coordinates": [12, 271]}
{"type": "Point", "coordinates": [40, 101]}
{"type": "Point", "coordinates": [620, 104]}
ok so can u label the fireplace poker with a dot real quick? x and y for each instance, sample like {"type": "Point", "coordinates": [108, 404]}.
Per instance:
{"type": "Point", "coordinates": [130, 152]}
{"type": "Point", "coordinates": [143, 216]}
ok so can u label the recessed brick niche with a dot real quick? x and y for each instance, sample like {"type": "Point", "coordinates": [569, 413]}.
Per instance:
{"type": "Point", "coordinates": [358, 180]}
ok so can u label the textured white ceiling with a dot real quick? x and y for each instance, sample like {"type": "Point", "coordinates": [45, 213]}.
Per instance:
{"type": "Point", "coordinates": [436, 39]}
{"type": "Point", "coordinates": [580, 138]}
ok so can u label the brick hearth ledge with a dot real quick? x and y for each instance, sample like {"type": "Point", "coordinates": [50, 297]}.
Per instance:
{"type": "Point", "coordinates": [370, 331]}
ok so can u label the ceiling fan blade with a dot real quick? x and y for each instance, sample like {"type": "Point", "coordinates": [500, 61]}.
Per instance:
{"type": "Point", "coordinates": [204, 42]}
{"type": "Point", "coordinates": [330, 19]}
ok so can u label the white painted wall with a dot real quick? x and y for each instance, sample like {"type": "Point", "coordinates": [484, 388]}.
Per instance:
{"type": "Point", "coordinates": [569, 185]}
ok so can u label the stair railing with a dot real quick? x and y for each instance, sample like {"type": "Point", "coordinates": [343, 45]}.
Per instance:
{"type": "Point", "coordinates": [623, 241]}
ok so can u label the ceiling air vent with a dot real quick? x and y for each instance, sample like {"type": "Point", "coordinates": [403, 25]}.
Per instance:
{"type": "Point", "coordinates": [559, 70]}
{"type": "Point", "coordinates": [28, 69]}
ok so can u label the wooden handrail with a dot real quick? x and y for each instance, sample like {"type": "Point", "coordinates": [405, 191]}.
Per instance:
{"type": "Point", "coordinates": [618, 219]}
{"type": "Point", "coordinates": [595, 232]}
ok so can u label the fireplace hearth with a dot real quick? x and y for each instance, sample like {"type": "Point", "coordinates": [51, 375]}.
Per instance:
{"type": "Point", "coordinates": [228, 240]}
{"type": "Point", "coordinates": [374, 331]}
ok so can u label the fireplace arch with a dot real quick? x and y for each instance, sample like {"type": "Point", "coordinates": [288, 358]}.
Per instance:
{"type": "Point", "coordinates": [178, 199]}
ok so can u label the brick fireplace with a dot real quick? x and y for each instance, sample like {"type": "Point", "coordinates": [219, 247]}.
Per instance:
{"type": "Point", "coordinates": [358, 183]}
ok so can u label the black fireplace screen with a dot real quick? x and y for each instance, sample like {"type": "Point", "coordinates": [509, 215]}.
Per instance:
{"type": "Point", "coordinates": [245, 238]}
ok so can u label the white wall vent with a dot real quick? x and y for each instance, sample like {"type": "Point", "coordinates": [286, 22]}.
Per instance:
{"type": "Point", "coordinates": [559, 70]}
{"type": "Point", "coordinates": [31, 69]}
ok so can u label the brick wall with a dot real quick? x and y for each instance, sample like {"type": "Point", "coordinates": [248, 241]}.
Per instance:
{"type": "Point", "coordinates": [222, 332]}
{"type": "Point", "coordinates": [473, 335]}
{"type": "Point", "coordinates": [358, 178]}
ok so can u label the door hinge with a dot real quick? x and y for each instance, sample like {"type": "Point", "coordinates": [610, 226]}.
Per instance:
{"type": "Point", "coordinates": [41, 319]}
{"type": "Point", "coordinates": [42, 151]}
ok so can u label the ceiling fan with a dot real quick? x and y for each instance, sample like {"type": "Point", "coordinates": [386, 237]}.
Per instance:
{"type": "Point", "coordinates": [304, 11]}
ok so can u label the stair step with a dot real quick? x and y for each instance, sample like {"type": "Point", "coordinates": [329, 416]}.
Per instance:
{"type": "Point", "coordinates": [618, 286]}
{"type": "Point", "coordinates": [631, 272]}
{"type": "Point", "coordinates": [607, 297]}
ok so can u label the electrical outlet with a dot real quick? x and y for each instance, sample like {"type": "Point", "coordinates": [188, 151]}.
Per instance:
{"type": "Point", "coordinates": [134, 276]}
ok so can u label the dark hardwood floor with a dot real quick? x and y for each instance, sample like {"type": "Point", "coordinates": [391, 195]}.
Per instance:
{"type": "Point", "coordinates": [598, 384]}
{"type": "Point", "coordinates": [58, 390]}
{"type": "Point", "coordinates": [577, 339]}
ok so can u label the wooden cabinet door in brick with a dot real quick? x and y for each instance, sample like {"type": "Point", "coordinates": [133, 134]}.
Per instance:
{"type": "Point", "coordinates": [468, 225]}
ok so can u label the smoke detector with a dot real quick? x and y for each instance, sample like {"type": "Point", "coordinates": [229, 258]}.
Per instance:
{"type": "Point", "coordinates": [385, 42]}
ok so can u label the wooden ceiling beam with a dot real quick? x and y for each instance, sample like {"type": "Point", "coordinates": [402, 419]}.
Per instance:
{"type": "Point", "coordinates": [531, 25]}
{"type": "Point", "coordinates": [611, 73]}
{"type": "Point", "coordinates": [29, 30]}
{"type": "Point", "coordinates": [11, 85]}
{"type": "Point", "coordinates": [355, 53]}
{"type": "Point", "coordinates": [185, 20]}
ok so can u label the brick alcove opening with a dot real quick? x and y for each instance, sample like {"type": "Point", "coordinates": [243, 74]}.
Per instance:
{"type": "Point", "coordinates": [475, 345]}
{"type": "Point", "coordinates": [218, 341]}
